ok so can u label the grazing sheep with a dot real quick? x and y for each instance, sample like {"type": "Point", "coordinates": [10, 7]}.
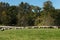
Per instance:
{"type": "Point", "coordinates": [36, 27]}
{"type": "Point", "coordinates": [2, 29]}
{"type": "Point", "coordinates": [26, 27]}
{"type": "Point", "coordinates": [10, 28]}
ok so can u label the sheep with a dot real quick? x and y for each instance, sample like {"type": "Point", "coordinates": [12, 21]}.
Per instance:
{"type": "Point", "coordinates": [2, 29]}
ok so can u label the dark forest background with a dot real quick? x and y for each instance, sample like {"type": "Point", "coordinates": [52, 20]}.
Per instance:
{"type": "Point", "coordinates": [29, 15]}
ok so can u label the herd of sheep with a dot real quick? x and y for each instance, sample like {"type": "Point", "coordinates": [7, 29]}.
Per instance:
{"type": "Point", "coordinates": [2, 28]}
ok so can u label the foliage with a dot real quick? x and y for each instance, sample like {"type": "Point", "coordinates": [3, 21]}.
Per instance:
{"type": "Point", "coordinates": [29, 15]}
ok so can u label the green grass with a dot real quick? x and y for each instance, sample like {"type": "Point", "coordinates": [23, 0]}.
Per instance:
{"type": "Point", "coordinates": [30, 34]}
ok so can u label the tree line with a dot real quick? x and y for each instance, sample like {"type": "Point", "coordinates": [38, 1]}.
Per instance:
{"type": "Point", "coordinates": [29, 15]}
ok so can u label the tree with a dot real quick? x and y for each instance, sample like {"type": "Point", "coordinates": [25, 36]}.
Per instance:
{"type": "Point", "coordinates": [46, 15]}
{"type": "Point", "coordinates": [12, 15]}
{"type": "Point", "coordinates": [3, 13]}
{"type": "Point", "coordinates": [57, 17]}
{"type": "Point", "coordinates": [36, 16]}
{"type": "Point", "coordinates": [22, 14]}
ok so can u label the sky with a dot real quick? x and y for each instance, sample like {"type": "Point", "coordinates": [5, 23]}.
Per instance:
{"type": "Point", "coordinates": [56, 3]}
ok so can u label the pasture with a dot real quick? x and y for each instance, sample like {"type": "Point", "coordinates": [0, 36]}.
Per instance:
{"type": "Point", "coordinates": [30, 34]}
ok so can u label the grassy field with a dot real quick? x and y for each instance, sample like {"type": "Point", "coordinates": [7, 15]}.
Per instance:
{"type": "Point", "coordinates": [30, 34]}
